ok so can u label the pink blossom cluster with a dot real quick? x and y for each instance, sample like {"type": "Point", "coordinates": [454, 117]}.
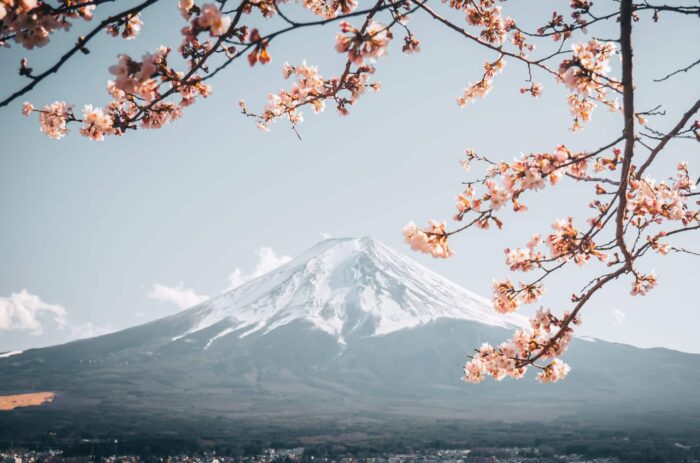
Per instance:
{"type": "Point", "coordinates": [310, 88]}
{"type": "Point", "coordinates": [586, 73]}
{"type": "Point", "coordinates": [529, 172]}
{"type": "Point", "coordinates": [410, 44]}
{"type": "Point", "coordinates": [567, 242]}
{"type": "Point", "coordinates": [525, 259]}
{"type": "Point", "coordinates": [487, 15]}
{"type": "Point", "coordinates": [210, 19]}
{"type": "Point", "coordinates": [535, 89]}
{"type": "Point", "coordinates": [33, 21]}
{"type": "Point", "coordinates": [207, 18]}
{"type": "Point", "coordinates": [496, 362]}
{"type": "Point", "coordinates": [96, 123]}
{"type": "Point", "coordinates": [510, 358]}
{"type": "Point", "coordinates": [137, 77]}
{"type": "Point", "coordinates": [53, 118]}
{"type": "Point", "coordinates": [135, 97]}
{"type": "Point", "coordinates": [649, 201]}
{"type": "Point", "coordinates": [330, 8]}
{"type": "Point", "coordinates": [484, 86]}
{"type": "Point", "coordinates": [555, 371]}
{"type": "Point", "coordinates": [431, 241]}
{"type": "Point", "coordinates": [507, 299]}
{"type": "Point", "coordinates": [362, 45]}
{"type": "Point", "coordinates": [643, 284]}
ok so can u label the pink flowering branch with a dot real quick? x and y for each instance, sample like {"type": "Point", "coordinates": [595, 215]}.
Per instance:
{"type": "Point", "coordinates": [80, 46]}
{"type": "Point", "coordinates": [636, 205]}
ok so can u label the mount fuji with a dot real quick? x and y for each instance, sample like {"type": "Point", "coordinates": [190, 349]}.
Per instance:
{"type": "Point", "coordinates": [347, 288]}
{"type": "Point", "coordinates": [348, 328]}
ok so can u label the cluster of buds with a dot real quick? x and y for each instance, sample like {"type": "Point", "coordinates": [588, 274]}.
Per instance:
{"type": "Point", "coordinates": [129, 28]}
{"type": "Point", "coordinates": [643, 284]}
{"type": "Point", "coordinates": [559, 29]}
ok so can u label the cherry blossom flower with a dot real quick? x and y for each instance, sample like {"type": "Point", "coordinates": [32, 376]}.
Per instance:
{"type": "Point", "coordinates": [643, 284]}
{"type": "Point", "coordinates": [27, 108]}
{"type": "Point", "coordinates": [97, 124]}
{"type": "Point", "coordinates": [162, 113]}
{"type": "Point", "coordinates": [130, 29]}
{"type": "Point", "coordinates": [505, 299]}
{"type": "Point", "coordinates": [136, 78]}
{"type": "Point", "coordinates": [330, 8]}
{"type": "Point", "coordinates": [432, 241]}
{"type": "Point", "coordinates": [371, 44]}
{"type": "Point", "coordinates": [53, 119]}
{"type": "Point", "coordinates": [211, 19]}
{"type": "Point", "coordinates": [484, 86]}
{"type": "Point", "coordinates": [586, 74]}
{"type": "Point", "coordinates": [555, 371]}
{"type": "Point", "coordinates": [411, 44]}
{"type": "Point", "coordinates": [185, 7]}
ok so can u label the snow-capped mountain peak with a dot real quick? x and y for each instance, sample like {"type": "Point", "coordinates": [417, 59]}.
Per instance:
{"type": "Point", "coordinates": [346, 287]}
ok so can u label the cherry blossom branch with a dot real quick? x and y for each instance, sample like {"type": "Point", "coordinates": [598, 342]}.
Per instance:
{"type": "Point", "coordinates": [79, 46]}
{"type": "Point", "coordinates": [473, 38]}
{"type": "Point", "coordinates": [662, 144]}
{"type": "Point", "coordinates": [626, 12]}
{"type": "Point", "coordinates": [600, 283]}
{"type": "Point", "coordinates": [678, 71]}
{"type": "Point", "coordinates": [299, 25]}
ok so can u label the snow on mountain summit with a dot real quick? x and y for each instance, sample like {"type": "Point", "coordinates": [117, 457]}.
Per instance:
{"type": "Point", "coordinates": [348, 288]}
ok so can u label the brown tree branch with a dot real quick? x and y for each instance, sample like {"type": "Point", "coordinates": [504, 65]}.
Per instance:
{"type": "Point", "coordinates": [626, 12]}
{"type": "Point", "coordinates": [678, 71]}
{"type": "Point", "coordinates": [679, 126]}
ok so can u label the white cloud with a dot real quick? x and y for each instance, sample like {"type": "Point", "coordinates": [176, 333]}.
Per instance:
{"type": "Point", "coordinates": [619, 316]}
{"type": "Point", "coordinates": [267, 261]}
{"type": "Point", "coordinates": [326, 236]}
{"type": "Point", "coordinates": [88, 330]}
{"type": "Point", "coordinates": [24, 311]}
{"type": "Point", "coordinates": [182, 297]}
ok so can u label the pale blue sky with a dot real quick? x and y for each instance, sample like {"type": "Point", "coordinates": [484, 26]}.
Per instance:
{"type": "Point", "coordinates": [93, 226]}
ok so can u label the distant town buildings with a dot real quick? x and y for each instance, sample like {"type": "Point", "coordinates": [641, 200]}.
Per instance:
{"type": "Point", "coordinates": [296, 455]}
